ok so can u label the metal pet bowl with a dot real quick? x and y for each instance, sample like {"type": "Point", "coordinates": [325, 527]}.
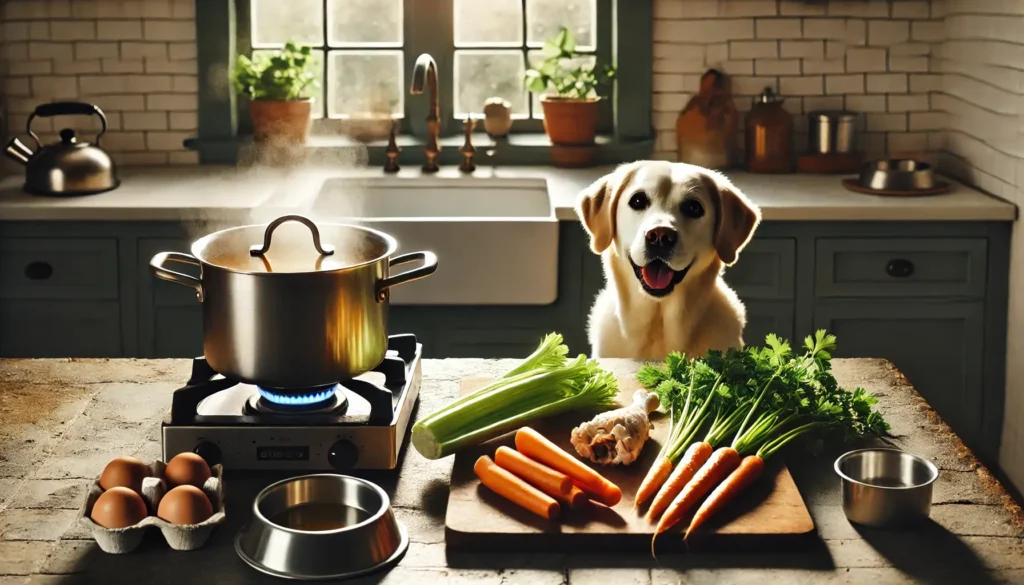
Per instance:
{"type": "Point", "coordinates": [886, 488]}
{"type": "Point", "coordinates": [322, 526]}
{"type": "Point", "coordinates": [897, 174]}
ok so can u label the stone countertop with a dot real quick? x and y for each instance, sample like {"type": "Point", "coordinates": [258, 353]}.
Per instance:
{"type": "Point", "coordinates": [230, 194]}
{"type": "Point", "coordinates": [62, 420]}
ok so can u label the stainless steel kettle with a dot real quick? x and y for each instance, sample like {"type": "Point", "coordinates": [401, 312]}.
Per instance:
{"type": "Point", "coordinates": [68, 167]}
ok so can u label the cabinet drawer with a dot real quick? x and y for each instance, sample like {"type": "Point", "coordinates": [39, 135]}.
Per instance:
{"type": "Point", "coordinates": [45, 329]}
{"type": "Point", "coordinates": [58, 268]}
{"type": "Point", "coordinates": [765, 270]}
{"type": "Point", "coordinates": [917, 267]}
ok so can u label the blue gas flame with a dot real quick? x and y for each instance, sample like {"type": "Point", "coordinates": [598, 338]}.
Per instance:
{"type": "Point", "coordinates": [315, 396]}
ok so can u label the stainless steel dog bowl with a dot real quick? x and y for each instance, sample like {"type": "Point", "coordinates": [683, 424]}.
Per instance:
{"type": "Point", "coordinates": [886, 488]}
{"type": "Point", "coordinates": [897, 174]}
{"type": "Point", "coordinates": [322, 526]}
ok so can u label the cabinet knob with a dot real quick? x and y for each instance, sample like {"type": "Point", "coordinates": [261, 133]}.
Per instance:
{"type": "Point", "coordinates": [899, 268]}
{"type": "Point", "coordinates": [38, 270]}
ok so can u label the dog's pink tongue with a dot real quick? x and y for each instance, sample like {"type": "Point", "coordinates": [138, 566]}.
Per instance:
{"type": "Point", "coordinates": [657, 275]}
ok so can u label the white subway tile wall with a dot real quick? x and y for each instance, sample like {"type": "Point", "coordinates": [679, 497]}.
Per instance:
{"type": "Point", "coordinates": [872, 56]}
{"type": "Point", "coordinates": [981, 64]}
{"type": "Point", "coordinates": [135, 59]}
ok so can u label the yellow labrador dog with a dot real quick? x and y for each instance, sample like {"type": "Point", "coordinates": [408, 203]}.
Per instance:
{"type": "Point", "coordinates": [664, 232]}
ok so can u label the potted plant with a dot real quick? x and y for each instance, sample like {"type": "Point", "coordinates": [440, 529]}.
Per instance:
{"type": "Point", "coordinates": [572, 89]}
{"type": "Point", "coordinates": [278, 86]}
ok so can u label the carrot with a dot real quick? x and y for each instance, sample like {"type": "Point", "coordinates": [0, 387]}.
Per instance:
{"type": "Point", "coordinates": [691, 462]}
{"type": "Point", "coordinates": [514, 489]}
{"type": "Point", "coordinates": [656, 476]}
{"type": "Point", "coordinates": [542, 477]}
{"type": "Point", "coordinates": [535, 446]}
{"type": "Point", "coordinates": [576, 498]}
{"type": "Point", "coordinates": [718, 466]}
{"type": "Point", "coordinates": [740, 479]}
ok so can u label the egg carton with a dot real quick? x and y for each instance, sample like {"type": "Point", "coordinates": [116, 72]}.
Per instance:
{"type": "Point", "coordinates": [179, 537]}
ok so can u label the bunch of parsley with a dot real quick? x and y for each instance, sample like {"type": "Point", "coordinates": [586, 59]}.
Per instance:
{"type": "Point", "coordinates": [772, 395]}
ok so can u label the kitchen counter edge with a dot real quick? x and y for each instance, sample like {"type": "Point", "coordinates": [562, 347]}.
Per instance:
{"type": "Point", "coordinates": [230, 194]}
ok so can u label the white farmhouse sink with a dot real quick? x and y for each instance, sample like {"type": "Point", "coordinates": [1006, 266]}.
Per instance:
{"type": "Point", "coordinates": [496, 239]}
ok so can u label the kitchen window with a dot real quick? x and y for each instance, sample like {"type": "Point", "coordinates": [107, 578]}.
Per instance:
{"type": "Point", "coordinates": [366, 48]}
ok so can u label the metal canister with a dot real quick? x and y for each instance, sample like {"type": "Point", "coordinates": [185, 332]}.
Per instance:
{"type": "Point", "coordinates": [830, 132]}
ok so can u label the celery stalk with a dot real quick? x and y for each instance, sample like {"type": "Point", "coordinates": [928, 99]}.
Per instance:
{"type": "Point", "coordinates": [551, 353]}
{"type": "Point", "coordinates": [543, 385]}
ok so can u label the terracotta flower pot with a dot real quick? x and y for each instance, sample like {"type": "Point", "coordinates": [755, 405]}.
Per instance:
{"type": "Point", "coordinates": [280, 121]}
{"type": "Point", "coordinates": [570, 121]}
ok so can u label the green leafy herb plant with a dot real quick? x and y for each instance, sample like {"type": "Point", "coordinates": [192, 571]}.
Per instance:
{"type": "Point", "coordinates": [287, 75]}
{"type": "Point", "coordinates": [566, 72]}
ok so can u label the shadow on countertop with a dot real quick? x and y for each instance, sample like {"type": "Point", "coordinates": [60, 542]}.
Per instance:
{"type": "Point", "coordinates": [929, 553]}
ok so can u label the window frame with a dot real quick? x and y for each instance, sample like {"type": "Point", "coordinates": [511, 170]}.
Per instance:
{"type": "Point", "coordinates": [603, 53]}
{"type": "Point", "coordinates": [624, 32]}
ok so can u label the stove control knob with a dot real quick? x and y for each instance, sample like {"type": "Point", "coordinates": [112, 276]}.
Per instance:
{"type": "Point", "coordinates": [208, 451]}
{"type": "Point", "coordinates": [343, 455]}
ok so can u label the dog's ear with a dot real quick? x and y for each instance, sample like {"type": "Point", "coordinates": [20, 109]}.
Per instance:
{"type": "Point", "coordinates": [737, 216]}
{"type": "Point", "coordinates": [596, 207]}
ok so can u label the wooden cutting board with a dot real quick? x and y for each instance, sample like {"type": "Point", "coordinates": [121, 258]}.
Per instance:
{"type": "Point", "coordinates": [772, 514]}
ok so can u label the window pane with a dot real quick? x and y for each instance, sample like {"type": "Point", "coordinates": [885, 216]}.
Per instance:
{"type": "Point", "coordinates": [494, 23]}
{"type": "Point", "coordinates": [535, 57]}
{"type": "Point", "coordinates": [318, 93]}
{"type": "Point", "coordinates": [274, 22]}
{"type": "Point", "coordinates": [364, 23]}
{"type": "Point", "coordinates": [366, 84]}
{"type": "Point", "coordinates": [485, 74]}
{"type": "Point", "coordinates": [545, 17]}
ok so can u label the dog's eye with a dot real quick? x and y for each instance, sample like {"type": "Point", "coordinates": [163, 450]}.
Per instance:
{"type": "Point", "coordinates": [692, 208]}
{"type": "Point", "coordinates": [639, 201]}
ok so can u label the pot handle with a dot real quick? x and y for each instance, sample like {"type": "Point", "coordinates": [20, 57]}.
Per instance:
{"type": "Point", "coordinates": [429, 267]}
{"type": "Point", "coordinates": [156, 267]}
{"type": "Point", "coordinates": [260, 250]}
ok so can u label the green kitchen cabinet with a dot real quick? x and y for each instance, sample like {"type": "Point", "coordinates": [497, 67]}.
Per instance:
{"type": "Point", "coordinates": [58, 329]}
{"type": "Point", "coordinates": [929, 296]}
{"type": "Point", "coordinates": [938, 346]}
{"type": "Point", "coordinates": [170, 316]}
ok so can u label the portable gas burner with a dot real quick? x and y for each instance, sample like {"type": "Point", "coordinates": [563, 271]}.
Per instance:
{"type": "Point", "coordinates": [354, 424]}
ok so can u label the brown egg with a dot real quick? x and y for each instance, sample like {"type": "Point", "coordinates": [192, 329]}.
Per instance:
{"type": "Point", "coordinates": [185, 504]}
{"type": "Point", "coordinates": [118, 507]}
{"type": "Point", "coordinates": [187, 469]}
{"type": "Point", "coordinates": [124, 472]}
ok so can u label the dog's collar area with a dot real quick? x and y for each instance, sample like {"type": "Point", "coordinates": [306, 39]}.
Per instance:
{"type": "Point", "coordinates": [677, 277]}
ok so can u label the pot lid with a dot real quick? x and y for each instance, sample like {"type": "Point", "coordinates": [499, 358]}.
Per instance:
{"type": "Point", "coordinates": [293, 244]}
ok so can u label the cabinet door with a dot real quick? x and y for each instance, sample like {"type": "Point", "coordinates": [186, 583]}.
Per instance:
{"type": "Point", "coordinates": [170, 317]}
{"type": "Point", "coordinates": [764, 317]}
{"type": "Point", "coordinates": [765, 270]}
{"type": "Point", "coordinates": [51, 329]}
{"type": "Point", "coordinates": [937, 346]}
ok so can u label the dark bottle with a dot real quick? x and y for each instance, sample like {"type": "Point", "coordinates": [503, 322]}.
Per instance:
{"type": "Point", "coordinates": [769, 135]}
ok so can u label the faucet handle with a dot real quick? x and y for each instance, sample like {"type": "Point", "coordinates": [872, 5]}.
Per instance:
{"type": "Point", "coordinates": [392, 150]}
{"type": "Point", "coordinates": [467, 149]}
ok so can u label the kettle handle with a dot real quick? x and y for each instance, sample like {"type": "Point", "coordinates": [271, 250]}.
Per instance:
{"type": "Point", "coordinates": [66, 109]}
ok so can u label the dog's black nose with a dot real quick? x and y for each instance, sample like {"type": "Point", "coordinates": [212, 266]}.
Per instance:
{"type": "Point", "coordinates": [661, 238]}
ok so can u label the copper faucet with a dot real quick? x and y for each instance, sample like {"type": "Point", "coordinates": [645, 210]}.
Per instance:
{"type": "Point", "coordinates": [425, 71]}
